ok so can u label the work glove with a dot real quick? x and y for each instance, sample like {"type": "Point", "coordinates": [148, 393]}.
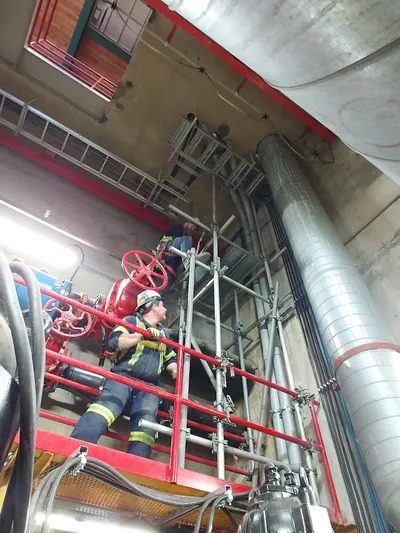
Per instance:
{"type": "Point", "coordinates": [155, 333]}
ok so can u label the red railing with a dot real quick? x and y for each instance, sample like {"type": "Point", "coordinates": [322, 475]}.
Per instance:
{"type": "Point", "coordinates": [39, 42]}
{"type": "Point", "coordinates": [178, 401]}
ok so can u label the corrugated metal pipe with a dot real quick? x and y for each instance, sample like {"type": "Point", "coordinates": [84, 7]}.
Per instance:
{"type": "Point", "coordinates": [362, 350]}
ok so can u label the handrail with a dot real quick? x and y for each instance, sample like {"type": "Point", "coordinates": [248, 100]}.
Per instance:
{"type": "Point", "coordinates": [178, 401]}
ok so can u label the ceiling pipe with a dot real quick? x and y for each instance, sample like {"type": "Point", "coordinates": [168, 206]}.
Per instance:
{"type": "Point", "coordinates": [339, 61]}
{"type": "Point", "coordinates": [238, 66]}
{"type": "Point", "coordinates": [362, 350]}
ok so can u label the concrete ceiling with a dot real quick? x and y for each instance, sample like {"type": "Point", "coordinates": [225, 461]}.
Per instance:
{"type": "Point", "coordinates": [156, 91]}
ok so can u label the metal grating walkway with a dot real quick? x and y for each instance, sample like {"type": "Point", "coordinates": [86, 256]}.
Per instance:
{"type": "Point", "coordinates": [53, 449]}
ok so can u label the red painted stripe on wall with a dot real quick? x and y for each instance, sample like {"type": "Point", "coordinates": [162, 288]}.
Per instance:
{"type": "Point", "coordinates": [82, 180]}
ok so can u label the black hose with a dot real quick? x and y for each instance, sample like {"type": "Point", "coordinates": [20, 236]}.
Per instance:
{"type": "Point", "coordinates": [47, 490]}
{"type": "Point", "coordinates": [100, 470]}
{"type": "Point", "coordinates": [36, 323]}
{"type": "Point", "coordinates": [214, 506]}
{"type": "Point", "coordinates": [16, 507]}
{"type": "Point", "coordinates": [58, 475]}
{"type": "Point", "coordinates": [200, 516]}
{"type": "Point", "coordinates": [231, 517]}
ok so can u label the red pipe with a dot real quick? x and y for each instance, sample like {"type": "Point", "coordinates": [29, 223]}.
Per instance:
{"type": "Point", "coordinates": [241, 85]}
{"type": "Point", "coordinates": [131, 382]}
{"type": "Point", "coordinates": [203, 427]}
{"type": "Point", "coordinates": [336, 515]}
{"type": "Point", "coordinates": [152, 389]}
{"type": "Point", "coordinates": [38, 42]}
{"type": "Point", "coordinates": [48, 415]}
{"type": "Point", "coordinates": [50, 19]}
{"type": "Point", "coordinates": [83, 181]}
{"type": "Point", "coordinates": [167, 342]}
{"type": "Point", "coordinates": [58, 55]}
{"type": "Point", "coordinates": [176, 423]}
{"type": "Point", "coordinates": [67, 62]}
{"type": "Point", "coordinates": [49, 54]}
{"type": "Point", "coordinates": [95, 392]}
{"type": "Point", "coordinates": [242, 69]}
{"type": "Point", "coordinates": [69, 383]}
{"type": "Point", "coordinates": [202, 460]}
{"type": "Point", "coordinates": [248, 424]}
{"type": "Point", "coordinates": [45, 13]}
{"type": "Point", "coordinates": [171, 33]}
{"type": "Point", "coordinates": [34, 22]}
{"type": "Point", "coordinates": [84, 65]}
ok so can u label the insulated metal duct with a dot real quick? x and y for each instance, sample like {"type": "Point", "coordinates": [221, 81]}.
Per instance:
{"type": "Point", "coordinates": [339, 60]}
{"type": "Point", "coordinates": [361, 348]}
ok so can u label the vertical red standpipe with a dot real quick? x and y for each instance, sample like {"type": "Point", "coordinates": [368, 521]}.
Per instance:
{"type": "Point", "coordinates": [335, 510]}
{"type": "Point", "coordinates": [176, 424]}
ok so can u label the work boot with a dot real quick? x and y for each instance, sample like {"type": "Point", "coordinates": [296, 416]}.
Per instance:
{"type": "Point", "coordinates": [139, 448]}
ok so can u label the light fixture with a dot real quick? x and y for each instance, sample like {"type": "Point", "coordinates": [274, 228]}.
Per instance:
{"type": "Point", "coordinates": [28, 244]}
{"type": "Point", "coordinates": [89, 524]}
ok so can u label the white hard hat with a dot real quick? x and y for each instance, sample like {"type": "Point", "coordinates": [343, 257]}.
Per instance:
{"type": "Point", "coordinates": [147, 297]}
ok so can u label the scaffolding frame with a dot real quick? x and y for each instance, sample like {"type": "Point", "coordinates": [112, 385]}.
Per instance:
{"type": "Point", "coordinates": [221, 363]}
{"type": "Point", "coordinates": [179, 401]}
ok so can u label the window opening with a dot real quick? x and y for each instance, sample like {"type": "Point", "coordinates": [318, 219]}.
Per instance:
{"type": "Point", "coordinates": [122, 21]}
{"type": "Point", "coordinates": [92, 41]}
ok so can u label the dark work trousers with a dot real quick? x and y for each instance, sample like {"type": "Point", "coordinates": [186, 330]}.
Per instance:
{"type": "Point", "coordinates": [114, 398]}
{"type": "Point", "coordinates": [183, 244]}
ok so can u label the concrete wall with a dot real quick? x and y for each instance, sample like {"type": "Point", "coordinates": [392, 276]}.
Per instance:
{"type": "Point", "coordinates": [104, 233]}
{"type": "Point", "coordinates": [156, 91]}
{"type": "Point", "coordinates": [136, 125]}
{"type": "Point", "coordinates": [364, 206]}
{"type": "Point", "coordinates": [107, 231]}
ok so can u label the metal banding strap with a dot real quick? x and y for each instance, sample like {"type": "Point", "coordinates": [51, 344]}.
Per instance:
{"type": "Point", "coordinates": [365, 348]}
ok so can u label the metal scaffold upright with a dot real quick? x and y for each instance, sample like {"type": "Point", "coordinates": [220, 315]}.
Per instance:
{"type": "Point", "coordinates": [286, 413]}
{"type": "Point", "coordinates": [239, 273]}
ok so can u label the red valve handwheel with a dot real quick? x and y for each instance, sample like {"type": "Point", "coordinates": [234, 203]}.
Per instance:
{"type": "Point", "coordinates": [144, 270]}
{"type": "Point", "coordinates": [67, 323]}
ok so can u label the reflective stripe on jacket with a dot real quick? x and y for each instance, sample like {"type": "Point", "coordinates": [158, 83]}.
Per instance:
{"type": "Point", "coordinates": [146, 360]}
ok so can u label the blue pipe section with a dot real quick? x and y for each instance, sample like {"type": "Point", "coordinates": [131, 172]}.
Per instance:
{"type": "Point", "coordinates": [46, 281]}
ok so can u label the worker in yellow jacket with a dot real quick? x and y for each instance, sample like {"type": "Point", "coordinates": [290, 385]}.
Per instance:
{"type": "Point", "coordinates": [138, 358]}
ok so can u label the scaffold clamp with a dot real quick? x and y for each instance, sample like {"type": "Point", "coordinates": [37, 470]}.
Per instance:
{"type": "Point", "coordinates": [304, 396]}
{"type": "Point", "coordinates": [313, 448]}
{"type": "Point", "coordinates": [229, 405]}
{"type": "Point", "coordinates": [227, 364]}
{"type": "Point", "coordinates": [329, 384]}
{"type": "Point", "coordinates": [229, 494]}
{"type": "Point", "coordinates": [82, 454]}
{"type": "Point", "coordinates": [215, 442]}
